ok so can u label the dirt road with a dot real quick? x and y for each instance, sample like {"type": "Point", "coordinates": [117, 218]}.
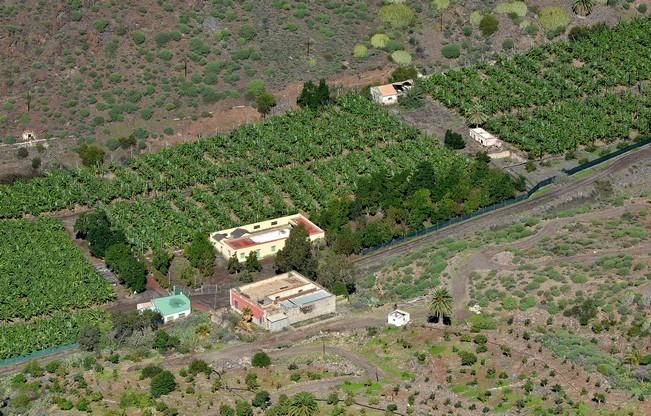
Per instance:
{"type": "Point", "coordinates": [484, 258]}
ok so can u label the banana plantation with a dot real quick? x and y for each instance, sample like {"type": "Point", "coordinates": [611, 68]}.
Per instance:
{"type": "Point", "coordinates": [47, 286]}
{"type": "Point", "coordinates": [354, 124]}
{"type": "Point", "coordinates": [171, 218]}
{"type": "Point", "coordinates": [533, 98]}
{"type": "Point", "coordinates": [50, 331]}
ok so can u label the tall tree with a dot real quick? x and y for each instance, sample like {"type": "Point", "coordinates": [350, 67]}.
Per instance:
{"type": "Point", "coordinates": [302, 404]}
{"type": "Point", "coordinates": [454, 140]}
{"type": "Point", "coordinates": [161, 260]}
{"type": "Point", "coordinates": [91, 155]}
{"type": "Point", "coordinates": [404, 73]}
{"type": "Point", "coordinates": [96, 228]}
{"type": "Point", "coordinates": [234, 265]}
{"type": "Point", "coordinates": [252, 262]}
{"type": "Point", "coordinates": [335, 268]}
{"type": "Point", "coordinates": [314, 96]}
{"type": "Point", "coordinates": [200, 253]}
{"type": "Point", "coordinates": [441, 304]}
{"type": "Point", "coordinates": [265, 102]}
{"type": "Point", "coordinates": [89, 337]}
{"type": "Point", "coordinates": [297, 254]}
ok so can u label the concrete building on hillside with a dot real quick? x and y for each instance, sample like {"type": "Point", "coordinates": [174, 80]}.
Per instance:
{"type": "Point", "coordinates": [264, 238]}
{"type": "Point", "coordinates": [398, 318]}
{"type": "Point", "coordinates": [389, 93]}
{"type": "Point", "coordinates": [171, 307]}
{"type": "Point", "coordinates": [282, 300]}
{"type": "Point", "coordinates": [484, 138]}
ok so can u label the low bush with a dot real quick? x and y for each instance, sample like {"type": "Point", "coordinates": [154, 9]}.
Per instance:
{"type": "Point", "coordinates": [360, 51]}
{"type": "Point", "coordinates": [553, 18]}
{"type": "Point", "coordinates": [401, 58]}
{"type": "Point", "coordinates": [261, 359]}
{"type": "Point", "coordinates": [451, 51]}
{"type": "Point", "coordinates": [379, 40]}
{"type": "Point", "coordinates": [397, 15]}
{"type": "Point", "coordinates": [507, 44]}
{"type": "Point", "coordinates": [488, 25]}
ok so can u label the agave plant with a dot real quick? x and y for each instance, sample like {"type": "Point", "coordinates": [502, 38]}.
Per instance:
{"type": "Point", "coordinates": [582, 7]}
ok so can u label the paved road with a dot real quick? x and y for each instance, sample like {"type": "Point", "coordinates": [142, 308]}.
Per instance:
{"type": "Point", "coordinates": [501, 216]}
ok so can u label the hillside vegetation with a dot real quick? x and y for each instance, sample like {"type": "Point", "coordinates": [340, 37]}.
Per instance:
{"type": "Point", "coordinates": [134, 76]}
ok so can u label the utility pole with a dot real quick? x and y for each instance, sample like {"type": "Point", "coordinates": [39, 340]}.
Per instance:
{"type": "Point", "coordinates": [308, 47]}
{"type": "Point", "coordinates": [29, 100]}
{"type": "Point", "coordinates": [185, 65]}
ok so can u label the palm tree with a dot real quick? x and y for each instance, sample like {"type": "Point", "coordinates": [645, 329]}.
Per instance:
{"type": "Point", "coordinates": [302, 404]}
{"type": "Point", "coordinates": [476, 115]}
{"type": "Point", "coordinates": [441, 304]}
{"type": "Point", "coordinates": [582, 7]}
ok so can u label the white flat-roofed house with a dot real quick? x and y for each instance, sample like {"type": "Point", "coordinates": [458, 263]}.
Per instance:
{"type": "Point", "coordinates": [398, 318]}
{"type": "Point", "coordinates": [484, 138]}
{"type": "Point", "coordinates": [264, 238]}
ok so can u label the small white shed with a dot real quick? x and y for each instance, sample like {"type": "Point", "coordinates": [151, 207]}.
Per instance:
{"type": "Point", "coordinates": [484, 138]}
{"type": "Point", "coordinates": [398, 318]}
{"type": "Point", "coordinates": [389, 93]}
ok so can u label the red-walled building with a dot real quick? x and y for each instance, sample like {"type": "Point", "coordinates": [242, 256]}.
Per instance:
{"type": "Point", "coordinates": [283, 300]}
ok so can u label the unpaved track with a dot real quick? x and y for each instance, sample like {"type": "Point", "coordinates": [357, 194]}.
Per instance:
{"type": "Point", "coordinates": [501, 216]}
{"type": "Point", "coordinates": [484, 258]}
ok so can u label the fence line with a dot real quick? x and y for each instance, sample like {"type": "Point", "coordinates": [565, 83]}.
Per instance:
{"type": "Point", "coordinates": [508, 201]}
{"type": "Point", "coordinates": [608, 156]}
{"type": "Point", "coordinates": [37, 354]}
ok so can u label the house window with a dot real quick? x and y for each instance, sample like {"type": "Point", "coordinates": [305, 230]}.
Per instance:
{"type": "Point", "coordinates": [273, 249]}
{"type": "Point", "coordinates": [255, 227]}
{"type": "Point", "coordinates": [257, 253]}
{"type": "Point", "coordinates": [274, 222]}
{"type": "Point", "coordinates": [182, 315]}
{"type": "Point", "coordinates": [242, 255]}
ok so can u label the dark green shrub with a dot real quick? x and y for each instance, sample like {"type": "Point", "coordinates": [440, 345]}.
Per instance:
{"type": "Point", "coordinates": [150, 371]}
{"type": "Point", "coordinates": [451, 51]}
{"type": "Point", "coordinates": [507, 44]}
{"type": "Point", "coordinates": [162, 384]}
{"type": "Point", "coordinates": [261, 359]}
{"type": "Point", "coordinates": [454, 140]}
{"type": "Point", "coordinates": [199, 366]}
{"type": "Point", "coordinates": [488, 25]}
{"type": "Point", "coordinates": [138, 38]}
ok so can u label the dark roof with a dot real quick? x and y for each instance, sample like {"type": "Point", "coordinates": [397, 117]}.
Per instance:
{"type": "Point", "coordinates": [238, 232]}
